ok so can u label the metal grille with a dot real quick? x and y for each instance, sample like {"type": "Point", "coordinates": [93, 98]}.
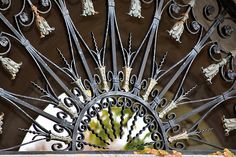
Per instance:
{"type": "Point", "coordinates": [119, 103]}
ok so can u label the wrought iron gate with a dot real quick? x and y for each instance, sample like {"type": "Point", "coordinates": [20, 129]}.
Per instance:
{"type": "Point", "coordinates": [126, 98]}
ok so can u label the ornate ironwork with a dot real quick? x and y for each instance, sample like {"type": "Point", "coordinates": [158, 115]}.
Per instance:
{"type": "Point", "coordinates": [150, 110]}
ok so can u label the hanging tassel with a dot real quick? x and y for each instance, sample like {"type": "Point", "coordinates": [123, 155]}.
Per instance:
{"type": "Point", "coordinates": [212, 70]}
{"type": "Point", "coordinates": [10, 66]}
{"type": "Point", "coordinates": [178, 28]}
{"type": "Point", "coordinates": [42, 24]}
{"type": "Point", "coordinates": [229, 125]}
{"type": "Point", "coordinates": [135, 9]}
{"type": "Point", "coordinates": [88, 8]}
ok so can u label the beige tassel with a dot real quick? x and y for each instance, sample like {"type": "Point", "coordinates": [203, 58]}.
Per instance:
{"type": "Point", "coordinates": [10, 66]}
{"type": "Point", "coordinates": [88, 8]}
{"type": "Point", "coordinates": [42, 24]}
{"type": "Point", "coordinates": [135, 9]}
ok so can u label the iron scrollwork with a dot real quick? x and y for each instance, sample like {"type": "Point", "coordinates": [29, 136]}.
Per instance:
{"type": "Point", "coordinates": [139, 100]}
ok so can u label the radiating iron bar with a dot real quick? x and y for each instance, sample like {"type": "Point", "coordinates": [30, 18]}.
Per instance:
{"type": "Point", "coordinates": [132, 126]}
{"type": "Point", "coordinates": [52, 94]}
{"type": "Point", "coordinates": [172, 67]}
{"type": "Point", "coordinates": [104, 127]}
{"type": "Point", "coordinates": [74, 32]}
{"type": "Point", "coordinates": [96, 134]}
{"type": "Point", "coordinates": [154, 29]}
{"type": "Point", "coordinates": [205, 142]}
{"type": "Point", "coordinates": [112, 120]}
{"type": "Point", "coordinates": [77, 101]}
{"type": "Point", "coordinates": [26, 114]}
{"type": "Point", "coordinates": [153, 73]}
{"type": "Point", "coordinates": [55, 65]}
{"type": "Point", "coordinates": [33, 98]}
{"type": "Point", "coordinates": [70, 43]}
{"type": "Point", "coordinates": [173, 79]}
{"type": "Point", "coordinates": [105, 39]}
{"type": "Point", "coordinates": [34, 53]}
{"type": "Point", "coordinates": [111, 15]}
{"type": "Point", "coordinates": [72, 51]}
{"type": "Point", "coordinates": [122, 120]}
{"type": "Point", "coordinates": [70, 40]}
{"type": "Point", "coordinates": [68, 69]}
{"type": "Point", "coordinates": [203, 107]}
{"type": "Point", "coordinates": [230, 94]}
{"type": "Point", "coordinates": [162, 61]}
{"type": "Point", "coordinates": [195, 124]}
{"type": "Point", "coordinates": [142, 145]}
{"type": "Point", "coordinates": [139, 133]}
{"type": "Point", "coordinates": [157, 16]}
{"type": "Point", "coordinates": [80, 51]}
{"type": "Point", "coordinates": [182, 80]}
{"type": "Point", "coordinates": [146, 55]}
{"type": "Point", "coordinates": [197, 101]}
{"type": "Point", "coordinates": [212, 28]}
{"type": "Point", "coordinates": [38, 59]}
{"type": "Point", "coordinates": [94, 145]}
{"type": "Point", "coordinates": [20, 145]}
{"type": "Point", "coordinates": [140, 47]}
{"type": "Point", "coordinates": [221, 98]}
{"type": "Point", "coordinates": [119, 37]}
{"type": "Point", "coordinates": [194, 52]}
{"type": "Point", "coordinates": [35, 109]}
{"type": "Point", "coordinates": [96, 54]}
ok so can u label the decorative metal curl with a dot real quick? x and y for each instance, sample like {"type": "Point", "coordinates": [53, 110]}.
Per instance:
{"type": "Point", "coordinates": [6, 44]}
{"type": "Point", "coordinates": [210, 13]}
{"type": "Point", "coordinates": [5, 5]}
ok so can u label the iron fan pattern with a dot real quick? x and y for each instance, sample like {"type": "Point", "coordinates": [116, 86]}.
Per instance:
{"type": "Point", "coordinates": [119, 88]}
